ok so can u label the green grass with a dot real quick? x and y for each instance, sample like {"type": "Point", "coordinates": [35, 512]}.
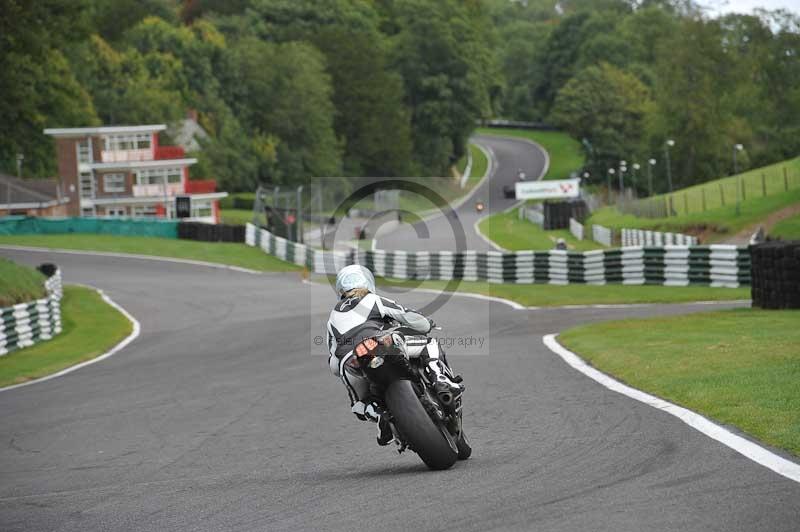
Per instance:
{"type": "Point", "coordinates": [90, 328]}
{"type": "Point", "coordinates": [740, 367]}
{"type": "Point", "coordinates": [546, 295]}
{"type": "Point", "coordinates": [720, 222]}
{"type": "Point", "coordinates": [19, 284]}
{"type": "Point", "coordinates": [722, 192]}
{"type": "Point", "coordinates": [566, 153]}
{"type": "Point", "coordinates": [479, 165]}
{"type": "Point", "coordinates": [788, 229]}
{"type": "Point", "coordinates": [223, 253]}
{"type": "Point", "coordinates": [509, 232]}
{"type": "Point", "coordinates": [236, 216]}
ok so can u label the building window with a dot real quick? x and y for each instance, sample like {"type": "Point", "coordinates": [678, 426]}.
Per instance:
{"type": "Point", "coordinates": [201, 209]}
{"type": "Point", "coordinates": [115, 211]}
{"type": "Point", "coordinates": [114, 182]}
{"type": "Point", "coordinates": [84, 152]}
{"type": "Point", "coordinates": [144, 211]}
{"type": "Point", "coordinates": [156, 176]}
{"type": "Point", "coordinates": [140, 141]}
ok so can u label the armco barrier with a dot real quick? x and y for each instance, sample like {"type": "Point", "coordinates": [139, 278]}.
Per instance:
{"type": "Point", "coordinates": [27, 323]}
{"type": "Point", "coordinates": [640, 237]}
{"type": "Point", "coordinates": [776, 274]}
{"type": "Point", "coordinates": [576, 228]}
{"type": "Point", "coordinates": [20, 225]}
{"type": "Point", "coordinates": [602, 235]}
{"type": "Point", "coordinates": [727, 266]}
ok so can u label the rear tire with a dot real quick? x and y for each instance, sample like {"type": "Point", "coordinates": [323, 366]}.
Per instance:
{"type": "Point", "coordinates": [464, 449]}
{"type": "Point", "coordinates": [419, 430]}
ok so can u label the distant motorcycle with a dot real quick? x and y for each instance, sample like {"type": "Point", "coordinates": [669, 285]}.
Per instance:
{"type": "Point", "coordinates": [424, 417]}
{"type": "Point", "coordinates": [479, 207]}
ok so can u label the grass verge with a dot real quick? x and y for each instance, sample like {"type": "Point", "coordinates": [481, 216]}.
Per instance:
{"type": "Point", "coordinates": [236, 216]}
{"type": "Point", "coordinates": [19, 284]}
{"type": "Point", "coordinates": [740, 367]}
{"type": "Point", "coordinates": [218, 252]}
{"type": "Point", "coordinates": [718, 223]}
{"type": "Point", "coordinates": [90, 327]}
{"type": "Point", "coordinates": [566, 154]}
{"type": "Point", "coordinates": [788, 229]}
{"type": "Point", "coordinates": [546, 295]}
{"type": "Point", "coordinates": [509, 232]}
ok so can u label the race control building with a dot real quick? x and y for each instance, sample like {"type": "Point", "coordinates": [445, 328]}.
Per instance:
{"type": "Point", "coordinates": [123, 171]}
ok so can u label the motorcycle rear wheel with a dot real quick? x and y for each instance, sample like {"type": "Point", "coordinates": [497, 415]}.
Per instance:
{"type": "Point", "coordinates": [416, 426]}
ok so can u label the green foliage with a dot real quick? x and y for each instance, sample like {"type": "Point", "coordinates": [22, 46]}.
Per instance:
{"type": "Point", "coordinates": [608, 105]}
{"type": "Point", "coordinates": [19, 284]}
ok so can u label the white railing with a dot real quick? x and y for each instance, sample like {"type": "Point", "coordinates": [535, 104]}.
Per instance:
{"type": "Point", "coordinates": [576, 228]}
{"type": "Point", "coordinates": [172, 189]}
{"type": "Point", "coordinates": [533, 216]}
{"type": "Point", "coordinates": [640, 237]}
{"type": "Point", "coordinates": [601, 234]}
{"type": "Point", "coordinates": [116, 156]}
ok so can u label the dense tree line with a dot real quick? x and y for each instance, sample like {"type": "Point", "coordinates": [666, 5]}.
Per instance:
{"type": "Point", "coordinates": [289, 89]}
{"type": "Point", "coordinates": [624, 76]}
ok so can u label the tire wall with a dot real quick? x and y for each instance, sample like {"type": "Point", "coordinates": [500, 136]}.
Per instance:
{"type": "Point", "coordinates": [776, 274]}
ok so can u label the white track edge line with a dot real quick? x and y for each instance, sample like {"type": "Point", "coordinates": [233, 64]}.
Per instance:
{"type": "Point", "coordinates": [133, 256]}
{"type": "Point", "coordinates": [121, 345]}
{"type": "Point", "coordinates": [743, 446]}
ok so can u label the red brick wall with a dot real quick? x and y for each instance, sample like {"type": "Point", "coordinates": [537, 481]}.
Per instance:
{"type": "Point", "coordinates": [67, 155]}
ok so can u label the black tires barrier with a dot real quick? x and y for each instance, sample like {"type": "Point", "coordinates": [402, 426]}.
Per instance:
{"type": "Point", "coordinates": [48, 269]}
{"type": "Point", "coordinates": [558, 213]}
{"type": "Point", "coordinates": [210, 232]}
{"type": "Point", "coordinates": [776, 274]}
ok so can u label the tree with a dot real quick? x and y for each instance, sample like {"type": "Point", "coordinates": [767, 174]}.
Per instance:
{"type": "Point", "coordinates": [607, 106]}
{"type": "Point", "coordinates": [448, 71]}
{"type": "Point", "coordinates": [37, 87]}
{"type": "Point", "coordinates": [282, 91]}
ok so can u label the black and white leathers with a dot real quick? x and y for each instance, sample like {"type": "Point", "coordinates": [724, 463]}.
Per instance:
{"type": "Point", "coordinates": [347, 317]}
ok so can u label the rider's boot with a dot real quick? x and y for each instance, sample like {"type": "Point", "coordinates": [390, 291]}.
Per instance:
{"type": "Point", "coordinates": [385, 435]}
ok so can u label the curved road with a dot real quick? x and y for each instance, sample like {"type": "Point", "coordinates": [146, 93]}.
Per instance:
{"type": "Point", "coordinates": [218, 418]}
{"type": "Point", "coordinates": [509, 155]}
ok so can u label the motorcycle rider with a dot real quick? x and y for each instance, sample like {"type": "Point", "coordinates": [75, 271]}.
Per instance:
{"type": "Point", "coordinates": [359, 307]}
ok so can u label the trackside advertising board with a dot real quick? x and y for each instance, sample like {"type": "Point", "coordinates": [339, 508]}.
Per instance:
{"type": "Point", "coordinates": [566, 188]}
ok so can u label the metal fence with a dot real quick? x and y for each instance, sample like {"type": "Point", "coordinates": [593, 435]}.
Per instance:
{"type": "Point", "coordinates": [28, 323]}
{"type": "Point", "coordinates": [725, 266]}
{"type": "Point", "coordinates": [775, 179]}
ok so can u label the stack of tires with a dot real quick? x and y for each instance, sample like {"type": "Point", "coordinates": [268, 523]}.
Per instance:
{"type": "Point", "coordinates": [211, 232]}
{"type": "Point", "coordinates": [558, 213]}
{"type": "Point", "coordinates": [776, 274]}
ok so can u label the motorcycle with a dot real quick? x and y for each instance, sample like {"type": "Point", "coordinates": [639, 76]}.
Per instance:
{"type": "Point", "coordinates": [479, 207]}
{"type": "Point", "coordinates": [423, 417]}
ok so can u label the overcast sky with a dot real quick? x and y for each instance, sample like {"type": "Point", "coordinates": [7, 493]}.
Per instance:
{"type": "Point", "coordinates": [746, 6]}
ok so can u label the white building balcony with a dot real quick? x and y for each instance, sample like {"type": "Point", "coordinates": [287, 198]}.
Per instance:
{"type": "Point", "coordinates": [118, 156]}
{"type": "Point", "coordinates": [145, 191]}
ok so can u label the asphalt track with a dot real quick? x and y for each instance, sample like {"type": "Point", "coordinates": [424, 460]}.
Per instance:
{"type": "Point", "coordinates": [438, 233]}
{"type": "Point", "coordinates": [222, 416]}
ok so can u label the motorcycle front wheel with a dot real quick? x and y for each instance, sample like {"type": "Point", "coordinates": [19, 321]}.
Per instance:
{"type": "Point", "coordinates": [416, 426]}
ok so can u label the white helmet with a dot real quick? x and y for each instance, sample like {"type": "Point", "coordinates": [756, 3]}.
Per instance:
{"type": "Point", "coordinates": [352, 277]}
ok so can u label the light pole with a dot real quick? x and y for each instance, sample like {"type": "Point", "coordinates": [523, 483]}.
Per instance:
{"type": "Point", "coordinates": [608, 182]}
{"type": "Point", "coordinates": [737, 147]}
{"type": "Point", "coordinates": [636, 168]}
{"type": "Point", "coordinates": [650, 164]}
{"type": "Point", "coordinates": [20, 158]}
{"type": "Point", "coordinates": [670, 143]}
{"type": "Point", "coordinates": [623, 167]}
